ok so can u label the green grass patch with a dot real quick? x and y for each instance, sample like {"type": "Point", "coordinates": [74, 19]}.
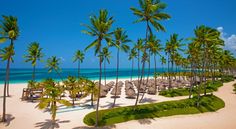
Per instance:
{"type": "Point", "coordinates": [234, 88]}
{"type": "Point", "coordinates": [211, 87]}
{"type": "Point", "coordinates": [208, 103]}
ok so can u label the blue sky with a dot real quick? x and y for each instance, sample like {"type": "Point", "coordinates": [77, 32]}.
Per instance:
{"type": "Point", "coordinates": [56, 25]}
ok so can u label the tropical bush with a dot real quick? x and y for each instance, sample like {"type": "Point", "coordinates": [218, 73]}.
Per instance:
{"type": "Point", "coordinates": [227, 78]}
{"type": "Point", "coordinates": [234, 88]}
{"type": "Point", "coordinates": [207, 103]}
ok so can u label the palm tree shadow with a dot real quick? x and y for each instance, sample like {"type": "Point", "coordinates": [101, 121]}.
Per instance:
{"type": "Point", "coordinates": [9, 118]}
{"type": "Point", "coordinates": [10, 96]}
{"type": "Point", "coordinates": [149, 100]}
{"type": "Point", "coordinates": [145, 121]}
{"type": "Point", "coordinates": [110, 105]}
{"type": "Point", "coordinates": [48, 124]}
{"type": "Point", "coordinates": [105, 127]}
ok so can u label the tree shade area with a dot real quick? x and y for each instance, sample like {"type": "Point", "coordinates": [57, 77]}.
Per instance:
{"type": "Point", "coordinates": [209, 103]}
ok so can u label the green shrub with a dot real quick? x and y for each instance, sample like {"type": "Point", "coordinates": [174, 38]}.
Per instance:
{"type": "Point", "coordinates": [187, 106]}
{"type": "Point", "coordinates": [211, 87]}
{"type": "Point", "coordinates": [228, 78]}
{"type": "Point", "coordinates": [234, 88]}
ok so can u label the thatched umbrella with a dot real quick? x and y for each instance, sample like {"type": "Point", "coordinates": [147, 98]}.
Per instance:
{"type": "Point", "coordinates": [142, 89]}
{"type": "Point", "coordinates": [103, 93]}
{"type": "Point", "coordinates": [152, 90]}
{"type": "Point", "coordinates": [118, 91]}
{"type": "Point", "coordinates": [130, 93]}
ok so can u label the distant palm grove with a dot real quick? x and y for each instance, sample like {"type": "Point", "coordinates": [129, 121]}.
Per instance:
{"type": "Point", "coordinates": [202, 57]}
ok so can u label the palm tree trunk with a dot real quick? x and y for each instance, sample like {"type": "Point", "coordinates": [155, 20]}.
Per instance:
{"type": "Point", "coordinates": [172, 70]}
{"type": "Point", "coordinates": [8, 77]}
{"type": "Point", "coordinates": [138, 64]}
{"type": "Point", "coordinates": [54, 106]}
{"type": "Point", "coordinates": [99, 85]}
{"type": "Point", "coordinates": [204, 73]}
{"type": "Point", "coordinates": [8, 89]}
{"type": "Point", "coordinates": [191, 80]}
{"type": "Point", "coordinates": [149, 63]}
{"type": "Point", "coordinates": [78, 69]}
{"type": "Point", "coordinates": [92, 97]}
{"type": "Point", "coordinates": [33, 75]}
{"type": "Point", "coordinates": [139, 84]}
{"type": "Point", "coordinates": [4, 92]}
{"type": "Point", "coordinates": [105, 77]}
{"type": "Point", "coordinates": [117, 70]}
{"type": "Point", "coordinates": [169, 72]}
{"type": "Point", "coordinates": [132, 70]}
{"type": "Point", "coordinates": [155, 68]}
{"type": "Point", "coordinates": [143, 65]}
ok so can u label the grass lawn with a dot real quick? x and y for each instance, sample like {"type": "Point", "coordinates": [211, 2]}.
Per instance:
{"type": "Point", "coordinates": [208, 103]}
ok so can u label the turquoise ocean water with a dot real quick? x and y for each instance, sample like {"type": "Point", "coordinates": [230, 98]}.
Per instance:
{"type": "Point", "coordinates": [23, 75]}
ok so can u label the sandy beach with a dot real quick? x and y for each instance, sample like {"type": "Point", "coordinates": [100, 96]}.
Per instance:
{"type": "Point", "coordinates": [24, 115]}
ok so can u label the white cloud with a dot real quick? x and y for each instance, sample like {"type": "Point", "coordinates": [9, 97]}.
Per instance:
{"type": "Point", "coordinates": [230, 40]}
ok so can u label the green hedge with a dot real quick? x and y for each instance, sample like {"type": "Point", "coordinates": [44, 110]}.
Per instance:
{"type": "Point", "coordinates": [234, 88]}
{"type": "Point", "coordinates": [208, 103]}
{"type": "Point", "coordinates": [211, 86]}
{"type": "Point", "coordinates": [227, 78]}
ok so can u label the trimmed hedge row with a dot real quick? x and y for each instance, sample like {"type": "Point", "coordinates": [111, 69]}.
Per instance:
{"type": "Point", "coordinates": [208, 103]}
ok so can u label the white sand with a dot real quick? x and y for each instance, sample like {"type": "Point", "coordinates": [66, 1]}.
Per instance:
{"type": "Point", "coordinates": [24, 115]}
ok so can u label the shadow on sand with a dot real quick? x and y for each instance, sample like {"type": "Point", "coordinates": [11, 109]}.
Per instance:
{"type": "Point", "coordinates": [105, 127]}
{"type": "Point", "coordinates": [9, 118]}
{"type": "Point", "coordinates": [149, 100]}
{"type": "Point", "coordinates": [145, 121]}
{"type": "Point", "coordinates": [110, 104]}
{"type": "Point", "coordinates": [48, 124]}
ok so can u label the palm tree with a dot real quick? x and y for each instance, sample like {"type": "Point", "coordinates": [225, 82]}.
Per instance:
{"type": "Point", "coordinates": [73, 87]}
{"type": "Point", "coordinates": [150, 13]}
{"type": "Point", "coordinates": [155, 49]}
{"type": "Point", "coordinates": [132, 56]}
{"type": "Point", "coordinates": [99, 28]}
{"type": "Point", "coordinates": [139, 47]}
{"type": "Point", "coordinates": [173, 45]}
{"type": "Point", "coordinates": [53, 64]}
{"type": "Point", "coordinates": [53, 92]}
{"type": "Point", "coordinates": [121, 40]}
{"type": "Point", "coordinates": [6, 54]}
{"type": "Point", "coordinates": [78, 57]}
{"type": "Point", "coordinates": [163, 61]}
{"type": "Point", "coordinates": [205, 37]}
{"type": "Point", "coordinates": [226, 60]}
{"type": "Point", "coordinates": [9, 30]}
{"type": "Point", "coordinates": [105, 55]}
{"type": "Point", "coordinates": [90, 88]}
{"type": "Point", "coordinates": [34, 54]}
